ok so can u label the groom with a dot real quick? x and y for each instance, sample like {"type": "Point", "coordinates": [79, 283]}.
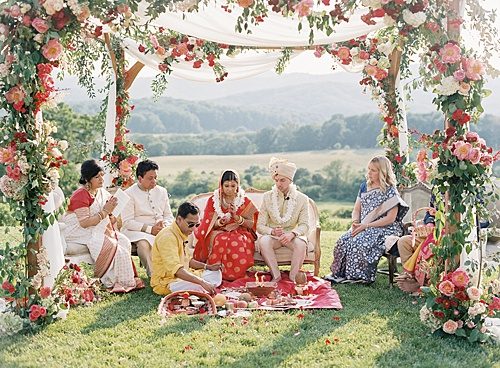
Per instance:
{"type": "Point", "coordinates": [283, 219]}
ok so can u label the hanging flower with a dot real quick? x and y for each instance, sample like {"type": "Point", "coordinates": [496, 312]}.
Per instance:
{"type": "Point", "coordinates": [304, 8]}
{"type": "Point", "coordinates": [474, 69]}
{"type": "Point", "coordinates": [450, 53]}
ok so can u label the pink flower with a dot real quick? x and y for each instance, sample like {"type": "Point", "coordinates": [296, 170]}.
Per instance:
{"type": "Point", "coordinates": [343, 53]}
{"type": "Point", "coordinates": [154, 41]}
{"type": "Point", "coordinates": [40, 25]}
{"type": "Point", "coordinates": [422, 175]}
{"type": "Point", "coordinates": [474, 69]}
{"type": "Point", "coordinates": [460, 278]}
{"type": "Point", "coordinates": [462, 150]}
{"type": "Point", "coordinates": [472, 137]}
{"type": "Point", "coordinates": [450, 327]}
{"type": "Point", "coordinates": [474, 156]}
{"type": "Point", "coordinates": [45, 292]}
{"type": "Point", "coordinates": [304, 8]}
{"type": "Point", "coordinates": [464, 88]}
{"type": "Point", "coordinates": [447, 288]}
{"type": "Point", "coordinates": [318, 51]}
{"type": "Point", "coordinates": [495, 304]}
{"type": "Point", "coordinates": [14, 172]}
{"type": "Point", "coordinates": [381, 74]}
{"type": "Point", "coordinates": [8, 155]}
{"type": "Point", "coordinates": [4, 30]}
{"type": "Point", "coordinates": [15, 11]}
{"type": "Point", "coordinates": [459, 75]}
{"type": "Point", "coordinates": [432, 26]}
{"type": "Point", "coordinates": [125, 169]}
{"type": "Point", "coordinates": [422, 155]}
{"type": "Point", "coordinates": [35, 312]}
{"type": "Point", "coordinates": [15, 95]}
{"type": "Point", "coordinates": [370, 70]}
{"type": "Point", "coordinates": [52, 50]}
{"type": "Point", "coordinates": [363, 55]}
{"type": "Point", "coordinates": [450, 53]}
{"type": "Point", "coordinates": [474, 293]}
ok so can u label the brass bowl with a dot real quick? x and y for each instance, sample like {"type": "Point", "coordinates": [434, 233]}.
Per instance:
{"type": "Point", "coordinates": [260, 289]}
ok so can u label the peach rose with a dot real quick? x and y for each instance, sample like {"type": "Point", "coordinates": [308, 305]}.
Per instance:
{"type": "Point", "coordinates": [474, 293]}
{"type": "Point", "coordinates": [52, 50]}
{"type": "Point", "coordinates": [450, 53]}
{"type": "Point", "coordinates": [245, 3]}
{"type": "Point", "coordinates": [15, 95]}
{"type": "Point", "coordinates": [460, 278]}
{"type": "Point", "coordinates": [450, 327]}
{"type": "Point", "coordinates": [447, 288]}
{"type": "Point", "coordinates": [40, 25]}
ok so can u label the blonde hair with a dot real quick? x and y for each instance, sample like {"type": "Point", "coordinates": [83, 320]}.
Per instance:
{"type": "Point", "coordinates": [386, 174]}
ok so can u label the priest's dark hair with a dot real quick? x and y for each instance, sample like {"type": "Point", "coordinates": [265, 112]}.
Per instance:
{"type": "Point", "coordinates": [144, 166]}
{"type": "Point", "coordinates": [187, 208]}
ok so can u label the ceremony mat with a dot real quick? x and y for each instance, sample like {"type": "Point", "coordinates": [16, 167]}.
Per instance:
{"type": "Point", "coordinates": [321, 295]}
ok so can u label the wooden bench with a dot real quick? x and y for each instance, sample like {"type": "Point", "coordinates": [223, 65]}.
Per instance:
{"type": "Point", "coordinates": [283, 254]}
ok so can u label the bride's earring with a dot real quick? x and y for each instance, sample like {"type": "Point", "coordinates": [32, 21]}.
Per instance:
{"type": "Point", "coordinates": [87, 186]}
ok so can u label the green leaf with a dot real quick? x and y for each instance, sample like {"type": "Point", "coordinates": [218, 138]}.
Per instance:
{"type": "Point", "coordinates": [461, 332]}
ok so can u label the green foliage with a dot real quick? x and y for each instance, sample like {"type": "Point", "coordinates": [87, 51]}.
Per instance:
{"type": "Point", "coordinates": [6, 216]}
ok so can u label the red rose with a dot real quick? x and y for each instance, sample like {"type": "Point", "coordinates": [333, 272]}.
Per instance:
{"type": "Point", "coordinates": [141, 48]}
{"type": "Point", "coordinates": [88, 296]}
{"type": "Point", "coordinates": [378, 13]}
{"type": "Point", "coordinates": [8, 287]}
{"type": "Point", "coordinates": [197, 64]}
{"type": "Point", "coordinates": [45, 292]}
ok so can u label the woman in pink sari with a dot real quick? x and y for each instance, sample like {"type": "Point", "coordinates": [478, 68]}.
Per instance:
{"type": "Point", "coordinates": [89, 221]}
{"type": "Point", "coordinates": [227, 232]}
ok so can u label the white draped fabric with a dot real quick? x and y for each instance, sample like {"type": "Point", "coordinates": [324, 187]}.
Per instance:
{"type": "Point", "coordinates": [212, 23]}
{"type": "Point", "coordinates": [51, 238]}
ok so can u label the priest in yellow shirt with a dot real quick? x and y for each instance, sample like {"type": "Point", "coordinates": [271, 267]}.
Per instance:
{"type": "Point", "coordinates": [172, 268]}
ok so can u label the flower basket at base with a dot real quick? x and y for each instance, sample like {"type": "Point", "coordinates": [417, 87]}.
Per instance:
{"type": "Point", "coordinates": [419, 228]}
{"type": "Point", "coordinates": [190, 303]}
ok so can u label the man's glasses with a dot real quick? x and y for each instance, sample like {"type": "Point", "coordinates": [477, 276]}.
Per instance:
{"type": "Point", "coordinates": [191, 224]}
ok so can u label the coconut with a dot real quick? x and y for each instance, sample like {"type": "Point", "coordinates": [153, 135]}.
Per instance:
{"type": "Point", "coordinates": [301, 278]}
{"type": "Point", "coordinates": [246, 297]}
{"type": "Point", "coordinates": [220, 300]}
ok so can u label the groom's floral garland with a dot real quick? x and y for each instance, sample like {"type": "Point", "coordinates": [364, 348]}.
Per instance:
{"type": "Point", "coordinates": [290, 207]}
{"type": "Point", "coordinates": [238, 202]}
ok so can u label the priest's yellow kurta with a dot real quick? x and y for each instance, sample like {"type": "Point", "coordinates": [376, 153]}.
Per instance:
{"type": "Point", "coordinates": [168, 256]}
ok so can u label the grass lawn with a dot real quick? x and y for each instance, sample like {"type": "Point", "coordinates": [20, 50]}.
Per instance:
{"type": "Point", "coordinates": [378, 326]}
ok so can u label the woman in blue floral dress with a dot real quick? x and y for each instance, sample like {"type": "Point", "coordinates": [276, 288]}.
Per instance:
{"type": "Point", "coordinates": [377, 215]}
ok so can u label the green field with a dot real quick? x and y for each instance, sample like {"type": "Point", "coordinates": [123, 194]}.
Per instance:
{"type": "Point", "coordinates": [170, 166]}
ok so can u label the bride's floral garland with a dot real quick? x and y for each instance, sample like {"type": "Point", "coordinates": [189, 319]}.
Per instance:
{"type": "Point", "coordinates": [292, 202]}
{"type": "Point", "coordinates": [238, 202]}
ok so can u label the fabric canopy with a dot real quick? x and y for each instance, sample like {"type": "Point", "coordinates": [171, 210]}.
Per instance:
{"type": "Point", "coordinates": [213, 23]}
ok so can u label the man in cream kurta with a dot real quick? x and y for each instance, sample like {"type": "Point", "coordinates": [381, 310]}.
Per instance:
{"type": "Point", "coordinates": [283, 219]}
{"type": "Point", "coordinates": [147, 212]}
{"type": "Point", "coordinates": [172, 268]}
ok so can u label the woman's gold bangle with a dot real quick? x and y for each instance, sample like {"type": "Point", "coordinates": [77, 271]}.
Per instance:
{"type": "Point", "coordinates": [241, 221]}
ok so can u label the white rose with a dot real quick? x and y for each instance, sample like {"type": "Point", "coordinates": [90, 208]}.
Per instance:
{"type": "Point", "coordinates": [414, 19]}
{"type": "Point", "coordinates": [384, 63]}
{"type": "Point", "coordinates": [478, 308]}
{"type": "Point", "coordinates": [62, 314]}
{"type": "Point", "coordinates": [386, 48]}
{"type": "Point", "coordinates": [373, 62]}
{"type": "Point", "coordinates": [354, 51]}
{"type": "Point", "coordinates": [63, 145]}
{"type": "Point", "coordinates": [448, 86]}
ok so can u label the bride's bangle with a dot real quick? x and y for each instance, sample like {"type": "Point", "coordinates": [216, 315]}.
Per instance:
{"type": "Point", "coordinates": [241, 220]}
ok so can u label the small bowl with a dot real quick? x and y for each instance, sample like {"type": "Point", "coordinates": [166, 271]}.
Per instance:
{"type": "Point", "coordinates": [260, 289]}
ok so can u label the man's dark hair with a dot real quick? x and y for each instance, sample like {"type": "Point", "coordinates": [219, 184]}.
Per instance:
{"type": "Point", "coordinates": [144, 166]}
{"type": "Point", "coordinates": [187, 208]}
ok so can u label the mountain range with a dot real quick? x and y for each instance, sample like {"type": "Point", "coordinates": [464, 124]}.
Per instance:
{"type": "Point", "coordinates": [289, 98]}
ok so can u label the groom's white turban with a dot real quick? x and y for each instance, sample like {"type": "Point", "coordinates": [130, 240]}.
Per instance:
{"type": "Point", "coordinates": [279, 166]}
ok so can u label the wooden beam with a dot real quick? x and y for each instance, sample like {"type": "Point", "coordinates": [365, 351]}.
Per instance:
{"type": "Point", "coordinates": [107, 41]}
{"type": "Point", "coordinates": [132, 73]}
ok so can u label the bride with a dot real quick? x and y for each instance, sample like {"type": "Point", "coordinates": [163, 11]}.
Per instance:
{"type": "Point", "coordinates": [227, 231]}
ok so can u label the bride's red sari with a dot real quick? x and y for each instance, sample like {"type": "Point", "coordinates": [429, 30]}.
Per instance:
{"type": "Point", "coordinates": [232, 245]}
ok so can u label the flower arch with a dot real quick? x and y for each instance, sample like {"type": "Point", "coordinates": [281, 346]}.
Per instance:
{"type": "Point", "coordinates": [38, 36]}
